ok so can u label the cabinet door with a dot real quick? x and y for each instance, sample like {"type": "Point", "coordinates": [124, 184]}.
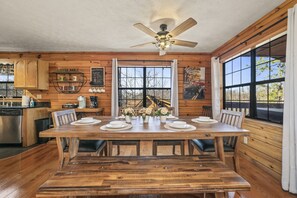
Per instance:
{"type": "Point", "coordinates": [31, 74]}
{"type": "Point", "coordinates": [20, 73]}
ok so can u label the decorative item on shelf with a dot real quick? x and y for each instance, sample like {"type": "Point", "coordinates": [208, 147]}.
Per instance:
{"type": "Point", "coordinates": [163, 113]}
{"type": "Point", "coordinates": [145, 113]}
{"type": "Point", "coordinates": [94, 101]}
{"type": "Point", "coordinates": [96, 90]}
{"type": "Point", "coordinates": [128, 113]}
{"type": "Point", "coordinates": [68, 81]}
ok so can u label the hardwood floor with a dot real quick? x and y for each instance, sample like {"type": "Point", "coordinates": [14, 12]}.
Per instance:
{"type": "Point", "coordinates": [21, 175]}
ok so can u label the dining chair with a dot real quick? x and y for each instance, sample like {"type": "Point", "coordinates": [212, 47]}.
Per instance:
{"type": "Point", "coordinates": [119, 143]}
{"type": "Point", "coordinates": [86, 147]}
{"type": "Point", "coordinates": [206, 111]}
{"type": "Point", "coordinates": [207, 146]}
{"type": "Point", "coordinates": [172, 143]}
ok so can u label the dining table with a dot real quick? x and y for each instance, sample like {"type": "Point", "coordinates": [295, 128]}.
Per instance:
{"type": "Point", "coordinates": [153, 130]}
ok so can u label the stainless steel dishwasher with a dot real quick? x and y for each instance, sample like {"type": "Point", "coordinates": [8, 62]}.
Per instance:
{"type": "Point", "coordinates": [11, 125]}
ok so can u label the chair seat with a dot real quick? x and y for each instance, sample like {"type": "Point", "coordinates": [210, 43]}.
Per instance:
{"type": "Point", "coordinates": [88, 145]}
{"type": "Point", "coordinates": [208, 146]}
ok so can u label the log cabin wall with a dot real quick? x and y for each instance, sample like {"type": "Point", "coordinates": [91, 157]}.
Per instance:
{"type": "Point", "coordinates": [264, 147]}
{"type": "Point", "coordinates": [84, 60]}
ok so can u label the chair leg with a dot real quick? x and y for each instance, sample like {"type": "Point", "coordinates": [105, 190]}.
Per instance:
{"type": "Point", "coordinates": [138, 148]}
{"type": "Point", "coordinates": [182, 148]}
{"type": "Point", "coordinates": [118, 150]}
{"type": "Point", "coordinates": [173, 149]}
{"type": "Point", "coordinates": [155, 148]}
{"type": "Point", "coordinates": [191, 147]}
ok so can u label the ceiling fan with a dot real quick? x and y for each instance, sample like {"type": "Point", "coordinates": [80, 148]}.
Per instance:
{"type": "Point", "coordinates": [164, 38]}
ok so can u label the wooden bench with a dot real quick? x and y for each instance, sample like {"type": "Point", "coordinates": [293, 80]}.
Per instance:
{"type": "Point", "coordinates": [104, 176]}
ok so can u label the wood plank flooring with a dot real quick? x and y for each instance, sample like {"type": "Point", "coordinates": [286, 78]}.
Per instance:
{"type": "Point", "coordinates": [21, 175]}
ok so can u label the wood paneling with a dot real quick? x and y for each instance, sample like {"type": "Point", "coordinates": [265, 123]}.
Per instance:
{"type": "Point", "coordinates": [266, 27]}
{"type": "Point", "coordinates": [83, 61]}
{"type": "Point", "coordinates": [264, 148]}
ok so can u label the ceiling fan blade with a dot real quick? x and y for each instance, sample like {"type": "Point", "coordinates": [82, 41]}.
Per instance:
{"type": "Point", "coordinates": [187, 24]}
{"type": "Point", "coordinates": [145, 29]}
{"type": "Point", "coordinates": [143, 44]}
{"type": "Point", "coordinates": [184, 43]}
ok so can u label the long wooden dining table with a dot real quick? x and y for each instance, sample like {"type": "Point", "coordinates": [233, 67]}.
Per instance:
{"type": "Point", "coordinates": [154, 130]}
{"type": "Point", "coordinates": [141, 175]}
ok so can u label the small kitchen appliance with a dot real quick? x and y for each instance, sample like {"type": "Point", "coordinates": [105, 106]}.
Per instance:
{"type": "Point", "coordinates": [94, 101]}
{"type": "Point", "coordinates": [81, 102]}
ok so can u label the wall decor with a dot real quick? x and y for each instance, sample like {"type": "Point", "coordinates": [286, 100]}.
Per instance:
{"type": "Point", "coordinates": [97, 76]}
{"type": "Point", "coordinates": [194, 83]}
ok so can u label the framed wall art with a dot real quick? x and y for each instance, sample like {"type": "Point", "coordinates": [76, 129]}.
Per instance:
{"type": "Point", "coordinates": [194, 83]}
{"type": "Point", "coordinates": [97, 76]}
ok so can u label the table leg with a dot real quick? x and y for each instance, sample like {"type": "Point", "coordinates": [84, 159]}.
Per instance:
{"type": "Point", "coordinates": [73, 147]}
{"type": "Point", "coordinates": [60, 151]}
{"type": "Point", "coordinates": [109, 148]}
{"type": "Point", "coordinates": [219, 147]}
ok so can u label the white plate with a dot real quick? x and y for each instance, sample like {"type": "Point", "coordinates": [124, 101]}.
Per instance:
{"type": "Point", "coordinates": [210, 121]}
{"type": "Point", "coordinates": [191, 128]}
{"type": "Point", "coordinates": [86, 121]}
{"type": "Point", "coordinates": [170, 117]}
{"type": "Point", "coordinates": [186, 126]}
{"type": "Point", "coordinates": [115, 126]}
{"type": "Point", "coordinates": [129, 126]}
{"type": "Point", "coordinates": [84, 124]}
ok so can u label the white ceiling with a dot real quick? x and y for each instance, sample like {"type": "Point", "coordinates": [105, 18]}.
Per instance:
{"type": "Point", "coordinates": [107, 25]}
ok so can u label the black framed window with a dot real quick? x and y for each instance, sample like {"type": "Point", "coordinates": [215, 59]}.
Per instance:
{"type": "Point", "coordinates": [144, 86]}
{"type": "Point", "coordinates": [7, 82]}
{"type": "Point", "coordinates": [254, 81]}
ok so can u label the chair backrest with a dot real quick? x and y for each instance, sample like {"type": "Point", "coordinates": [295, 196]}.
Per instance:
{"type": "Point", "coordinates": [233, 118]}
{"type": "Point", "coordinates": [207, 111]}
{"type": "Point", "coordinates": [63, 117]}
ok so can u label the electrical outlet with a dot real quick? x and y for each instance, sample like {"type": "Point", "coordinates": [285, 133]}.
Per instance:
{"type": "Point", "coordinates": [38, 96]}
{"type": "Point", "coordinates": [245, 140]}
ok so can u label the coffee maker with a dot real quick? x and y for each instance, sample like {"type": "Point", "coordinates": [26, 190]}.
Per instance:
{"type": "Point", "coordinates": [94, 101]}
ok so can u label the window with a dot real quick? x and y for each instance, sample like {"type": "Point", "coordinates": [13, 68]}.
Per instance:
{"type": "Point", "coordinates": [254, 81]}
{"type": "Point", "coordinates": [6, 82]}
{"type": "Point", "coordinates": [144, 86]}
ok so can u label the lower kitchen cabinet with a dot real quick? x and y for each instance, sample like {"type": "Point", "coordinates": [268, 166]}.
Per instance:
{"type": "Point", "coordinates": [29, 135]}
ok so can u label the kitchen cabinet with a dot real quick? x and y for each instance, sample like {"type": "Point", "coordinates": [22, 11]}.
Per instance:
{"type": "Point", "coordinates": [31, 74]}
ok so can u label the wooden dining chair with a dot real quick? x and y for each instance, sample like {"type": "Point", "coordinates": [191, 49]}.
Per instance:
{"type": "Point", "coordinates": [119, 143]}
{"type": "Point", "coordinates": [86, 147]}
{"type": "Point", "coordinates": [172, 143]}
{"type": "Point", "coordinates": [204, 147]}
{"type": "Point", "coordinates": [206, 111]}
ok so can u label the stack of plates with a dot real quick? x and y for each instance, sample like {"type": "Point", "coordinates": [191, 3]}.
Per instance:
{"type": "Point", "coordinates": [116, 125]}
{"type": "Point", "coordinates": [204, 120]}
{"type": "Point", "coordinates": [179, 125]}
{"type": "Point", "coordinates": [171, 117]}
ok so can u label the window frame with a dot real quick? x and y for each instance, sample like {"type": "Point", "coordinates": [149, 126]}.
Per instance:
{"type": "Point", "coordinates": [144, 88]}
{"type": "Point", "coordinates": [253, 82]}
{"type": "Point", "coordinates": [7, 82]}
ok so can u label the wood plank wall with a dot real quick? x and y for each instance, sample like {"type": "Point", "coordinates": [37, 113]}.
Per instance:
{"type": "Point", "coordinates": [264, 148]}
{"type": "Point", "coordinates": [84, 60]}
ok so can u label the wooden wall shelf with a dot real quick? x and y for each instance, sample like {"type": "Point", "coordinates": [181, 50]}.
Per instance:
{"type": "Point", "coordinates": [68, 81]}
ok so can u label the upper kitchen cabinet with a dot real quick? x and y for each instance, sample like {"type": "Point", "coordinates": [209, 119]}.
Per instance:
{"type": "Point", "coordinates": [31, 74]}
